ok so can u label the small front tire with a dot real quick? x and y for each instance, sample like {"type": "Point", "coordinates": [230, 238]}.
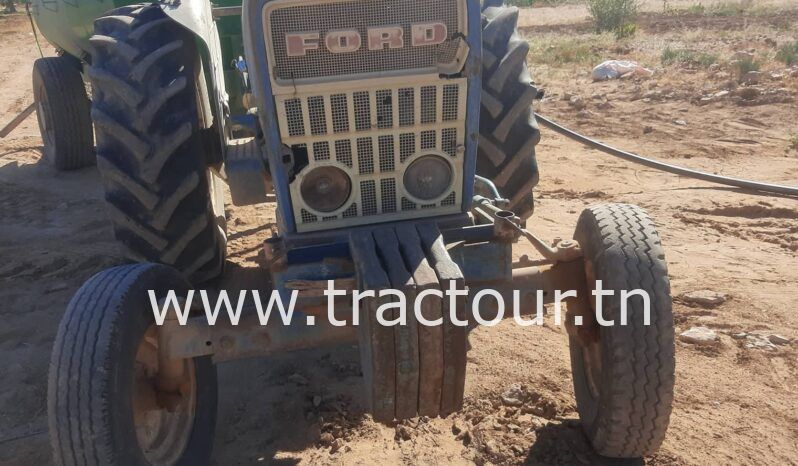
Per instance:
{"type": "Point", "coordinates": [106, 406]}
{"type": "Point", "coordinates": [63, 111]}
{"type": "Point", "coordinates": [624, 380]}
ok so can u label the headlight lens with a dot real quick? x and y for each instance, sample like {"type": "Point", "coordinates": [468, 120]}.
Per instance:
{"type": "Point", "coordinates": [428, 177]}
{"type": "Point", "coordinates": [326, 189]}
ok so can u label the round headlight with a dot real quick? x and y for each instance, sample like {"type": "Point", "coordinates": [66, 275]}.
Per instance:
{"type": "Point", "coordinates": [428, 177]}
{"type": "Point", "coordinates": [326, 189]}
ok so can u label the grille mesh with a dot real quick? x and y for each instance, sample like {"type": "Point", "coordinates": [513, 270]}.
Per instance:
{"type": "Point", "coordinates": [360, 15]}
{"type": "Point", "coordinates": [362, 132]}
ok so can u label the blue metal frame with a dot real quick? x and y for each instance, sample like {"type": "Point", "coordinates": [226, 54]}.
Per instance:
{"type": "Point", "coordinates": [258, 66]}
{"type": "Point", "coordinates": [473, 71]}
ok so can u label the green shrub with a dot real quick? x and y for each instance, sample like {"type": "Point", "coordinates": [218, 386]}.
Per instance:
{"type": "Point", "coordinates": [612, 15]}
{"type": "Point", "coordinates": [728, 8]}
{"type": "Point", "coordinates": [625, 31]}
{"type": "Point", "coordinates": [687, 57]}
{"type": "Point", "coordinates": [741, 67]}
{"type": "Point", "coordinates": [788, 54]}
{"type": "Point", "coordinates": [564, 51]}
{"type": "Point", "coordinates": [675, 56]}
{"type": "Point", "coordinates": [697, 9]}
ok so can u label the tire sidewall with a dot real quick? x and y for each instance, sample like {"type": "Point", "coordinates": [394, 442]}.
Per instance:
{"type": "Point", "coordinates": [44, 116]}
{"type": "Point", "coordinates": [608, 266]}
{"type": "Point", "coordinates": [133, 320]}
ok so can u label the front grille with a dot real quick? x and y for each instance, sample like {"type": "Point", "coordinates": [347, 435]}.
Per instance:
{"type": "Point", "coordinates": [372, 134]}
{"type": "Point", "coordinates": [290, 17]}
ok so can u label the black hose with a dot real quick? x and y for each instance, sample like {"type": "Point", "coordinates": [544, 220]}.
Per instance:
{"type": "Point", "coordinates": [33, 26]}
{"type": "Point", "coordinates": [725, 180]}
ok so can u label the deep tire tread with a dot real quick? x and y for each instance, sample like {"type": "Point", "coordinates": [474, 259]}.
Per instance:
{"type": "Point", "coordinates": [149, 150]}
{"type": "Point", "coordinates": [508, 130]}
{"type": "Point", "coordinates": [82, 397]}
{"type": "Point", "coordinates": [626, 251]}
{"type": "Point", "coordinates": [58, 80]}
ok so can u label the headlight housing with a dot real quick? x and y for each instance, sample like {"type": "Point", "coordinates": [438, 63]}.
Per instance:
{"type": "Point", "coordinates": [428, 177]}
{"type": "Point", "coordinates": [326, 189]}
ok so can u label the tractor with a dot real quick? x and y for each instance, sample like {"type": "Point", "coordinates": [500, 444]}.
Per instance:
{"type": "Point", "coordinates": [397, 141]}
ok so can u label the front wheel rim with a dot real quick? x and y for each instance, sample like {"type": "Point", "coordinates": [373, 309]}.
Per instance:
{"type": "Point", "coordinates": [163, 421]}
{"type": "Point", "coordinates": [45, 125]}
{"type": "Point", "coordinates": [591, 352]}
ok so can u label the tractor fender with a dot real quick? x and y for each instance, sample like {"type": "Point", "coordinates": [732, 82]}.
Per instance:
{"type": "Point", "coordinates": [197, 18]}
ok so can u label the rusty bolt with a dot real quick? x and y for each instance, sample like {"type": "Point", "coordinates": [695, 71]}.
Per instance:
{"type": "Point", "coordinates": [226, 342]}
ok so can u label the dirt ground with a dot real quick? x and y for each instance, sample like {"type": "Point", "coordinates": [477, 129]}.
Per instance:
{"type": "Point", "coordinates": [736, 402]}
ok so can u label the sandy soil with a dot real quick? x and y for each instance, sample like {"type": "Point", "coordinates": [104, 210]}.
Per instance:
{"type": "Point", "coordinates": [734, 404]}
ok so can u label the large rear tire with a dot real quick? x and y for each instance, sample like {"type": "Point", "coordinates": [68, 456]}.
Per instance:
{"type": "Point", "coordinates": [106, 402]}
{"type": "Point", "coordinates": [161, 195]}
{"type": "Point", "coordinates": [63, 111]}
{"type": "Point", "coordinates": [507, 127]}
{"type": "Point", "coordinates": [624, 380]}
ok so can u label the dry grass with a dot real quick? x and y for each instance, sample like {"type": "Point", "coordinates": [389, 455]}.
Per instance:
{"type": "Point", "coordinates": [719, 8]}
{"type": "Point", "coordinates": [553, 3]}
{"type": "Point", "coordinates": [561, 49]}
{"type": "Point", "coordinates": [788, 54]}
{"type": "Point", "coordinates": [688, 57]}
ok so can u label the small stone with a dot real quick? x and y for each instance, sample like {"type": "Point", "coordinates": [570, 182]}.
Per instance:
{"type": "Point", "coordinates": [538, 423]}
{"type": "Point", "coordinates": [748, 93]}
{"type": "Point", "coordinates": [513, 396]}
{"type": "Point", "coordinates": [714, 67]}
{"type": "Point", "coordinates": [700, 336]}
{"type": "Point", "coordinates": [465, 437]}
{"type": "Point", "coordinates": [703, 298]}
{"type": "Point", "coordinates": [751, 77]}
{"type": "Point", "coordinates": [403, 433]}
{"type": "Point", "coordinates": [778, 339]}
{"type": "Point", "coordinates": [298, 379]}
{"type": "Point", "coordinates": [577, 102]}
{"type": "Point", "coordinates": [326, 438]}
{"type": "Point", "coordinates": [316, 400]}
{"type": "Point", "coordinates": [680, 122]}
{"type": "Point", "coordinates": [567, 96]}
{"type": "Point", "coordinates": [739, 336]}
{"type": "Point", "coordinates": [794, 74]}
{"type": "Point", "coordinates": [491, 448]}
{"type": "Point", "coordinates": [647, 129]}
{"type": "Point", "coordinates": [759, 342]}
{"type": "Point", "coordinates": [456, 427]}
{"type": "Point", "coordinates": [721, 94]}
{"type": "Point", "coordinates": [336, 445]}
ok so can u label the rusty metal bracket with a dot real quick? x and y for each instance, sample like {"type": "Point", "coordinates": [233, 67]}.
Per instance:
{"type": "Point", "coordinates": [249, 338]}
{"type": "Point", "coordinates": [562, 251]}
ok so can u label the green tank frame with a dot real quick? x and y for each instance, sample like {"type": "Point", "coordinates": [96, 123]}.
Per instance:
{"type": "Point", "coordinates": [68, 24]}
